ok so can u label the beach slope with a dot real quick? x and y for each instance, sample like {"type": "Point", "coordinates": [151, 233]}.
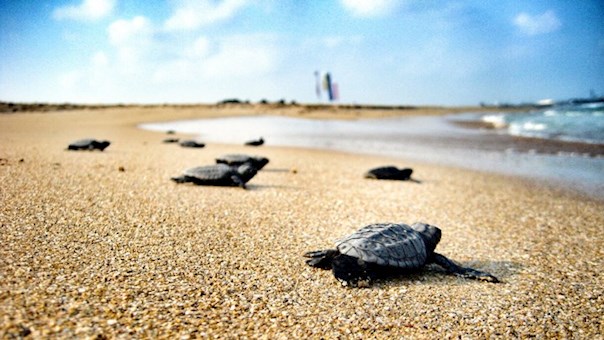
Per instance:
{"type": "Point", "coordinates": [103, 244]}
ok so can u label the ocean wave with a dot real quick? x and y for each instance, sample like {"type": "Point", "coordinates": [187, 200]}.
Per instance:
{"type": "Point", "coordinates": [577, 123]}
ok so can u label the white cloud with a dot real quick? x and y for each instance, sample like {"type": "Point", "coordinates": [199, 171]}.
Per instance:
{"type": "Point", "coordinates": [190, 15]}
{"type": "Point", "coordinates": [70, 79]}
{"type": "Point", "coordinates": [242, 56]}
{"type": "Point", "coordinates": [129, 31]}
{"type": "Point", "coordinates": [87, 10]}
{"type": "Point", "coordinates": [176, 65]}
{"type": "Point", "coordinates": [236, 57]}
{"type": "Point", "coordinates": [199, 48]}
{"type": "Point", "coordinates": [100, 59]}
{"type": "Point", "coordinates": [133, 40]}
{"type": "Point", "coordinates": [371, 8]}
{"type": "Point", "coordinates": [537, 24]}
{"type": "Point", "coordinates": [173, 67]}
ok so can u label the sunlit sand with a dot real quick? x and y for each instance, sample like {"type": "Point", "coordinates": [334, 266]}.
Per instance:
{"type": "Point", "coordinates": [105, 244]}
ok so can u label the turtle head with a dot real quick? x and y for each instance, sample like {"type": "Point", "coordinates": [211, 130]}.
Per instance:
{"type": "Point", "coordinates": [429, 233]}
{"type": "Point", "coordinates": [246, 172]}
{"type": "Point", "coordinates": [405, 173]}
{"type": "Point", "coordinates": [261, 162]}
{"type": "Point", "coordinates": [102, 145]}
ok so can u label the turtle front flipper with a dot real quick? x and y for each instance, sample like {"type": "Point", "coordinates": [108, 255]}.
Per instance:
{"type": "Point", "coordinates": [453, 268]}
{"type": "Point", "coordinates": [351, 271]}
{"type": "Point", "coordinates": [238, 181]}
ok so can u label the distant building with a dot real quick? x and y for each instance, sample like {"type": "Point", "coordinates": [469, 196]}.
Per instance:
{"type": "Point", "coordinates": [545, 102]}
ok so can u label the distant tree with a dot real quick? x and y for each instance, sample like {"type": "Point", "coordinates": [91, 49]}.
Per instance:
{"type": "Point", "coordinates": [230, 101]}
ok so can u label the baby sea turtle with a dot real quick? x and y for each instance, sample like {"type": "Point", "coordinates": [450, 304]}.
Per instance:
{"type": "Point", "coordinates": [89, 144]}
{"type": "Point", "coordinates": [256, 142]}
{"type": "Point", "coordinates": [389, 172]}
{"type": "Point", "coordinates": [171, 140]}
{"type": "Point", "coordinates": [383, 249]}
{"type": "Point", "coordinates": [240, 159]}
{"type": "Point", "coordinates": [218, 174]}
{"type": "Point", "coordinates": [189, 143]}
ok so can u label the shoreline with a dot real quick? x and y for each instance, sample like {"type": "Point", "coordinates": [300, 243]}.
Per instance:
{"type": "Point", "coordinates": [427, 139]}
{"type": "Point", "coordinates": [103, 244]}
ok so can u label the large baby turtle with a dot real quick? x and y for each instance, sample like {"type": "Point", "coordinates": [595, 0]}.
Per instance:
{"type": "Point", "coordinates": [389, 172]}
{"type": "Point", "coordinates": [384, 249]}
{"type": "Point", "coordinates": [218, 174]}
{"type": "Point", "coordinates": [189, 143]}
{"type": "Point", "coordinates": [240, 159]}
{"type": "Point", "coordinates": [89, 144]}
{"type": "Point", "coordinates": [256, 142]}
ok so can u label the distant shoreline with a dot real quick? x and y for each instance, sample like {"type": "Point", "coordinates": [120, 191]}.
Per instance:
{"type": "Point", "coordinates": [313, 110]}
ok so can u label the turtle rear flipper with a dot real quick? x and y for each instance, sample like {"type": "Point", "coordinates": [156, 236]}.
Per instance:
{"type": "Point", "coordinates": [321, 258]}
{"type": "Point", "coordinates": [180, 179]}
{"type": "Point", "coordinates": [351, 271]}
{"type": "Point", "coordinates": [469, 273]}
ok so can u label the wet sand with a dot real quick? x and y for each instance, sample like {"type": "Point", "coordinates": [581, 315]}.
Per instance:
{"type": "Point", "coordinates": [104, 244]}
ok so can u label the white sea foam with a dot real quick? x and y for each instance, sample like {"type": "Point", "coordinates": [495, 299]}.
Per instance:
{"type": "Point", "coordinates": [520, 131]}
{"type": "Point", "coordinates": [580, 123]}
{"type": "Point", "coordinates": [496, 120]}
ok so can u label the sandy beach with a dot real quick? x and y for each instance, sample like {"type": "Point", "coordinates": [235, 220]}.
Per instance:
{"type": "Point", "coordinates": [104, 245]}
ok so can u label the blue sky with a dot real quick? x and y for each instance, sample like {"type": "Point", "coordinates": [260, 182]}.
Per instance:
{"type": "Point", "coordinates": [402, 52]}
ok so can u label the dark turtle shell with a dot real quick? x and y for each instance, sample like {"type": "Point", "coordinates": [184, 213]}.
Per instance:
{"type": "Point", "coordinates": [218, 174]}
{"type": "Point", "coordinates": [191, 144]}
{"type": "Point", "coordinates": [256, 142]}
{"type": "Point", "coordinates": [240, 159]}
{"type": "Point", "coordinates": [389, 172]}
{"type": "Point", "coordinates": [386, 244]}
{"type": "Point", "coordinates": [210, 172]}
{"type": "Point", "coordinates": [88, 144]}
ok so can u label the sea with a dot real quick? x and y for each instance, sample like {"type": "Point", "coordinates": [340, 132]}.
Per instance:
{"type": "Point", "coordinates": [560, 145]}
{"type": "Point", "coordinates": [582, 123]}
